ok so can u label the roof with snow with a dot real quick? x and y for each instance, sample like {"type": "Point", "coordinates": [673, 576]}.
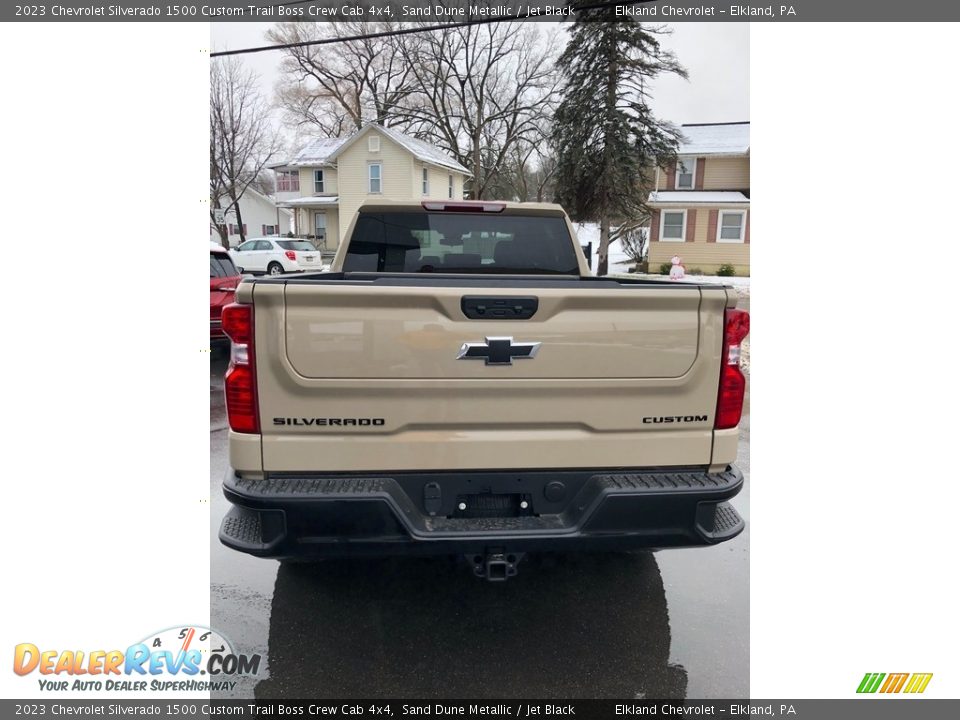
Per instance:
{"type": "Point", "coordinates": [715, 139]}
{"type": "Point", "coordinates": [316, 152]}
{"type": "Point", "coordinates": [697, 197]}
{"type": "Point", "coordinates": [323, 151]}
{"type": "Point", "coordinates": [270, 199]}
{"type": "Point", "coordinates": [311, 201]}
{"type": "Point", "coordinates": [422, 150]}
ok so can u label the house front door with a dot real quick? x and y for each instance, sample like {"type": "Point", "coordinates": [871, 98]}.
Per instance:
{"type": "Point", "coordinates": [320, 229]}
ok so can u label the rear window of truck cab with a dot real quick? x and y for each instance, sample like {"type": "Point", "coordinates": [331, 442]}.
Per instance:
{"type": "Point", "coordinates": [424, 242]}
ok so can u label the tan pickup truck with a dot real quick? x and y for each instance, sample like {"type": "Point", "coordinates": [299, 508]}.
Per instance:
{"type": "Point", "coordinates": [459, 383]}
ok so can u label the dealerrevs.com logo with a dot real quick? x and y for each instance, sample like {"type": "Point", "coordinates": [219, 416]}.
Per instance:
{"type": "Point", "coordinates": [181, 659]}
{"type": "Point", "coordinates": [911, 683]}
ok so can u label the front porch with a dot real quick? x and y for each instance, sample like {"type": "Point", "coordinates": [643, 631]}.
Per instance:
{"type": "Point", "coordinates": [317, 219]}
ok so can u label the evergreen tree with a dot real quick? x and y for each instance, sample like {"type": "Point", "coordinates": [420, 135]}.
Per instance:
{"type": "Point", "coordinates": [605, 135]}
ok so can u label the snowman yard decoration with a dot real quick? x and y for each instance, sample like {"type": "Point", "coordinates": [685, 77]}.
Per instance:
{"type": "Point", "coordinates": [677, 272]}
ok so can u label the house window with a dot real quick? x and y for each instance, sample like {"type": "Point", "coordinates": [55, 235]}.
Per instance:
{"type": "Point", "coordinates": [318, 181]}
{"type": "Point", "coordinates": [450, 186]}
{"type": "Point", "coordinates": [320, 228]}
{"type": "Point", "coordinates": [288, 181]}
{"type": "Point", "coordinates": [730, 226]}
{"type": "Point", "coordinates": [673, 225]}
{"type": "Point", "coordinates": [686, 169]}
{"type": "Point", "coordinates": [235, 229]}
{"type": "Point", "coordinates": [376, 182]}
{"type": "Point", "coordinates": [373, 143]}
{"type": "Point", "coordinates": [426, 181]}
{"type": "Point", "coordinates": [271, 229]}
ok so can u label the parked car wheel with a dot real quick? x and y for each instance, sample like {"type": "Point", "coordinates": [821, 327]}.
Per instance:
{"type": "Point", "coordinates": [274, 268]}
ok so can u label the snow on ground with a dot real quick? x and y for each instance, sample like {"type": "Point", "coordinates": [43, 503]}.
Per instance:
{"type": "Point", "coordinates": [618, 260]}
{"type": "Point", "coordinates": [740, 284]}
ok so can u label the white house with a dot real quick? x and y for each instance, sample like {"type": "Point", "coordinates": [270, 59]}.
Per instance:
{"type": "Point", "coordinates": [260, 216]}
{"type": "Point", "coordinates": [329, 178]}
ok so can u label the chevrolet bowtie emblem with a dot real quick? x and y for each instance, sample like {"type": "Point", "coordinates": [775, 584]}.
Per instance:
{"type": "Point", "coordinates": [498, 350]}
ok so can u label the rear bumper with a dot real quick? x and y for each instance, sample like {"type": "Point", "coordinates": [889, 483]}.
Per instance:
{"type": "Point", "coordinates": [293, 515]}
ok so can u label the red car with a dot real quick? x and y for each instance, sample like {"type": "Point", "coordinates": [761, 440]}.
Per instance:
{"type": "Point", "coordinates": [224, 279]}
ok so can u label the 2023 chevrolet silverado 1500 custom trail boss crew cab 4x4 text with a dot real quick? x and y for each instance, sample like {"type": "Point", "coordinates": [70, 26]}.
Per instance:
{"type": "Point", "coordinates": [460, 384]}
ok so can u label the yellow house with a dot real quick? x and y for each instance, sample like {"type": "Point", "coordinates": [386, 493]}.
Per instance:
{"type": "Point", "coordinates": [701, 206]}
{"type": "Point", "coordinates": [327, 180]}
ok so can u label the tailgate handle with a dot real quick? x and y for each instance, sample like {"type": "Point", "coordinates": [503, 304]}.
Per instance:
{"type": "Point", "coordinates": [499, 308]}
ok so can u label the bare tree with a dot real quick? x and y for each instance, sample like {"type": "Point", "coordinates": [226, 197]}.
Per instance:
{"type": "Point", "coordinates": [480, 92]}
{"type": "Point", "coordinates": [242, 138]}
{"type": "Point", "coordinates": [529, 168]}
{"type": "Point", "coordinates": [337, 88]}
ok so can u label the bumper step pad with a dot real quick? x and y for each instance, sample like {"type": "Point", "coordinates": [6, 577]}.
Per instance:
{"type": "Point", "coordinates": [672, 481]}
{"type": "Point", "coordinates": [244, 530]}
{"type": "Point", "coordinates": [719, 522]}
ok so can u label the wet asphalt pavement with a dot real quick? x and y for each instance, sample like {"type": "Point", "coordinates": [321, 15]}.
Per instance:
{"type": "Point", "coordinates": [672, 624]}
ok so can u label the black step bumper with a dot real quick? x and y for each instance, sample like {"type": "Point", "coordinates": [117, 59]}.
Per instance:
{"type": "Point", "coordinates": [423, 513]}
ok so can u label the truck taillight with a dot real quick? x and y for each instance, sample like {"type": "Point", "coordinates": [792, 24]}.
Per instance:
{"type": "Point", "coordinates": [736, 325]}
{"type": "Point", "coordinates": [240, 382]}
{"type": "Point", "coordinates": [291, 255]}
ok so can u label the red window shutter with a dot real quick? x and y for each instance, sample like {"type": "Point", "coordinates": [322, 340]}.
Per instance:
{"type": "Point", "coordinates": [712, 227]}
{"type": "Point", "coordinates": [691, 224]}
{"type": "Point", "coordinates": [672, 176]}
{"type": "Point", "coordinates": [655, 226]}
{"type": "Point", "coordinates": [230, 229]}
{"type": "Point", "coordinates": [244, 229]}
{"type": "Point", "coordinates": [746, 235]}
{"type": "Point", "coordinates": [263, 229]}
{"type": "Point", "coordinates": [698, 179]}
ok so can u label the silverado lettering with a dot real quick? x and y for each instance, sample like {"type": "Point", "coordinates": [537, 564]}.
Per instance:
{"type": "Point", "coordinates": [327, 422]}
{"type": "Point", "coordinates": [675, 418]}
{"type": "Point", "coordinates": [586, 447]}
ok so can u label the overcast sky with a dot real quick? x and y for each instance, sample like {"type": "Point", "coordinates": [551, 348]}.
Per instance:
{"type": "Point", "coordinates": [717, 56]}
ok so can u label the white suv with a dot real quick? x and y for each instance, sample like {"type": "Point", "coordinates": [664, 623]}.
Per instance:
{"type": "Point", "coordinates": [275, 256]}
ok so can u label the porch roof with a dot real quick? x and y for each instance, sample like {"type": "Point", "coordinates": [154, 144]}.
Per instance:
{"type": "Point", "coordinates": [683, 198]}
{"type": "Point", "coordinates": [308, 202]}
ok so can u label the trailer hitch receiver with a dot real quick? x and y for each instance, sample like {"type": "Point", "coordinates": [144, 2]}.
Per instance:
{"type": "Point", "coordinates": [495, 565]}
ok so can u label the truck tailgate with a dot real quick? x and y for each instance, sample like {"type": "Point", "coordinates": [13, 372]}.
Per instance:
{"type": "Point", "coordinates": [368, 376]}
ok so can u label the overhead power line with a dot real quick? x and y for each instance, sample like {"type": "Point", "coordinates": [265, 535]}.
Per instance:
{"type": "Point", "coordinates": [405, 31]}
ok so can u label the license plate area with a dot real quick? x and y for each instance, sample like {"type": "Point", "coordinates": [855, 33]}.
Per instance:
{"type": "Point", "coordinates": [493, 505]}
